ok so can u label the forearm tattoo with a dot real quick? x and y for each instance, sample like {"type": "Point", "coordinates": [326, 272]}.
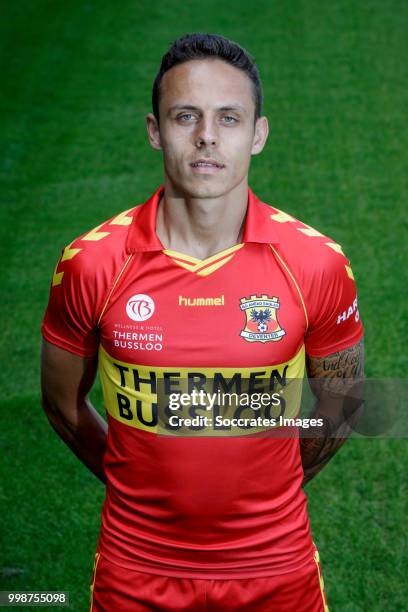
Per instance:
{"type": "Point", "coordinates": [331, 379]}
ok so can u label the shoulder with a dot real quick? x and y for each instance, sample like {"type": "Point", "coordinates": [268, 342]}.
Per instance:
{"type": "Point", "coordinates": [104, 240]}
{"type": "Point", "coordinates": [308, 252]}
{"type": "Point", "coordinates": [82, 279]}
{"type": "Point", "coordinates": [99, 251]}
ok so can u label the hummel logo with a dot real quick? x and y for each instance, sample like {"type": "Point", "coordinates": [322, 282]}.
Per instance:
{"type": "Point", "coordinates": [208, 301]}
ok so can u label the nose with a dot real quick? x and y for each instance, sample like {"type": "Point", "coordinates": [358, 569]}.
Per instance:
{"type": "Point", "coordinates": [206, 134]}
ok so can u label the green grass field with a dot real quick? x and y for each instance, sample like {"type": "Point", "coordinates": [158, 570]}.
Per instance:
{"type": "Point", "coordinates": [76, 81]}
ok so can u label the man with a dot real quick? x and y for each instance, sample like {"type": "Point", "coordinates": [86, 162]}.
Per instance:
{"type": "Point", "coordinates": [207, 284]}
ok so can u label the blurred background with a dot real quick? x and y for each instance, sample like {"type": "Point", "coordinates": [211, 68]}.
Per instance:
{"type": "Point", "coordinates": [76, 85]}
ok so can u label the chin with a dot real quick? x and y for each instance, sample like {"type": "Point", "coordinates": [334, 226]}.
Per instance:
{"type": "Point", "coordinates": [205, 190]}
{"type": "Point", "coordinates": [206, 193]}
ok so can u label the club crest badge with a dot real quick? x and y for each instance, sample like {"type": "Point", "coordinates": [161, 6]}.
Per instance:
{"type": "Point", "coordinates": [261, 324]}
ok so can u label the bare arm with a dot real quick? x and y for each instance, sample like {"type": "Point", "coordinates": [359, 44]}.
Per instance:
{"type": "Point", "coordinates": [332, 380]}
{"type": "Point", "coordinates": [66, 380]}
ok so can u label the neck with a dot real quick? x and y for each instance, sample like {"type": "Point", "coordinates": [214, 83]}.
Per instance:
{"type": "Point", "coordinates": [201, 227]}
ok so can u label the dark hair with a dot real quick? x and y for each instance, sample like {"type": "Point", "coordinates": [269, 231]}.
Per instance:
{"type": "Point", "coordinates": [201, 46]}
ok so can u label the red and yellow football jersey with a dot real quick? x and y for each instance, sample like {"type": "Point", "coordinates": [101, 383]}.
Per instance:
{"type": "Point", "coordinates": [201, 506]}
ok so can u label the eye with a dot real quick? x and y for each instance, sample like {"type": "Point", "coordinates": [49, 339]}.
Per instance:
{"type": "Point", "coordinates": [185, 117]}
{"type": "Point", "coordinates": [229, 119]}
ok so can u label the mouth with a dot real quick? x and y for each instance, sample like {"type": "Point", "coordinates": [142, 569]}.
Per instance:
{"type": "Point", "coordinates": [203, 166]}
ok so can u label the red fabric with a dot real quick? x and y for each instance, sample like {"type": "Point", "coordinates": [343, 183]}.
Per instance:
{"type": "Point", "coordinates": [75, 304]}
{"type": "Point", "coordinates": [199, 507]}
{"type": "Point", "coordinates": [204, 507]}
{"type": "Point", "coordinates": [116, 588]}
{"type": "Point", "coordinates": [88, 268]}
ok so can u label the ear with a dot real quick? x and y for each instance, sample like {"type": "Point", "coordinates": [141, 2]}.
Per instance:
{"type": "Point", "coordinates": [260, 135]}
{"type": "Point", "coordinates": [153, 131]}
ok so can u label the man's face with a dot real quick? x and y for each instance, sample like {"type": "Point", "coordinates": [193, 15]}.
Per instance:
{"type": "Point", "coordinates": [207, 130]}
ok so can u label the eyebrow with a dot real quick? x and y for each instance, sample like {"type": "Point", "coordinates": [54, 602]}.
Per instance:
{"type": "Point", "coordinates": [231, 107]}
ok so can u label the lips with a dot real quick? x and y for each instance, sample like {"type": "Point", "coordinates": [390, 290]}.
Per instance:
{"type": "Point", "coordinates": [206, 163]}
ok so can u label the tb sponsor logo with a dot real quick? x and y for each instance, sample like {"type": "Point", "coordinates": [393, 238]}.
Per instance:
{"type": "Point", "coordinates": [140, 307]}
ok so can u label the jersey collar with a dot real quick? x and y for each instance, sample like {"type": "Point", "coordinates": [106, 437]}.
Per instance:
{"type": "Point", "coordinates": [142, 236]}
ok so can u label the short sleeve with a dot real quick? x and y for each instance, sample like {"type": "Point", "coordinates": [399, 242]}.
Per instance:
{"type": "Point", "coordinates": [70, 320]}
{"type": "Point", "coordinates": [334, 318]}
